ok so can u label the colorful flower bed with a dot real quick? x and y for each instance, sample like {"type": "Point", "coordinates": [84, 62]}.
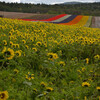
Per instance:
{"type": "Point", "coordinates": [50, 19]}
{"type": "Point", "coordinates": [65, 19]}
{"type": "Point", "coordinates": [74, 21]}
{"type": "Point", "coordinates": [62, 18]}
{"type": "Point", "coordinates": [83, 21]}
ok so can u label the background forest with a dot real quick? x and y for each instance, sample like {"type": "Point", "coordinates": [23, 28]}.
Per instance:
{"type": "Point", "coordinates": [78, 9]}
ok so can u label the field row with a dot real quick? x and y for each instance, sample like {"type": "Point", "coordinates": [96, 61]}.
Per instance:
{"type": "Point", "coordinates": [65, 19]}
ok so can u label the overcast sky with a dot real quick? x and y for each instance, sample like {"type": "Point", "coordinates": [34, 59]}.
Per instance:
{"type": "Point", "coordinates": [48, 1]}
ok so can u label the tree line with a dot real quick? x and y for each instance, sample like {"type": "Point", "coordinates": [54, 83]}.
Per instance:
{"type": "Point", "coordinates": [78, 9]}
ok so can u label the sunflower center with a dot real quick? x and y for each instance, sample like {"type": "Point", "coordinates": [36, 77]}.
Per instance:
{"type": "Point", "coordinates": [17, 54]}
{"type": "Point", "coordinates": [39, 44]}
{"type": "Point", "coordinates": [7, 53]}
{"type": "Point", "coordinates": [2, 96]}
{"type": "Point", "coordinates": [49, 90]}
{"type": "Point", "coordinates": [86, 85]}
{"type": "Point", "coordinates": [29, 76]}
{"type": "Point", "coordinates": [61, 64]}
{"type": "Point", "coordinates": [51, 56]}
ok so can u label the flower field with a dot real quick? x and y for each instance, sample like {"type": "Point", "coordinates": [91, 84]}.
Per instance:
{"type": "Point", "coordinates": [65, 19]}
{"type": "Point", "coordinates": [46, 61]}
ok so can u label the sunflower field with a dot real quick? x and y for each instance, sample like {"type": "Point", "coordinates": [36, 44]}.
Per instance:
{"type": "Point", "coordinates": [46, 61]}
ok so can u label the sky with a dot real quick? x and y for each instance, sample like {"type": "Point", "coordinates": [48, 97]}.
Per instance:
{"type": "Point", "coordinates": [48, 1]}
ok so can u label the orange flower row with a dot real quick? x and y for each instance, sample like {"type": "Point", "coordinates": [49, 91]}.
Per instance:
{"type": "Point", "coordinates": [74, 21]}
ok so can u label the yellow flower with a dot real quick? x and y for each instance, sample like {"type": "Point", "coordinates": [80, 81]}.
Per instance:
{"type": "Point", "coordinates": [10, 33]}
{"type": "Point", "coordinates": [73, 59]}
{"type": "Point", "coordinates": [16, 71]}
{"type": "Point", "coordinates": [26, 46]}
{"type": "Point", "coordinates": [61, 63]}
{"type": "Point", "coordinates": [87, 60]}
{"type": "Point", "coordinates": [52, 56]}
{"type": "Point", "coordinates": [17, 45]}
{"type": "Point", "coordinates": [13, 46]}
{"type": "Point", "coordinates": [34, 49]}
{"type": "Point", "coordinates": [85, 84]}
{"type": "Point", "coordinates": [43, 84]}
{"type": "Point", "coordinates": [4, 42]}
{"type": "Point", "coordinates": [8, 53]}
{"type": "Point", "coordinates": [55, 56]}
{"type": "Point", "coordinates": [45, 93]}
{"type": "Point", "coordinates": [91, 71]}
{"type": "Point", "coordinates": [96, 57]}
{"type": "Point", "coordinates": [38, 43]}
{"type": "Point", "coordinates": [79, 71]}
{"type": "Point", "coordinates": [24, 41]}
{"type": "Point", "coordinates": [98, 88]}
{"type": "Point", "coordinates": [35, 90]}
{"type": "Point", "coordinates": [49, 89]}
{"type": "Point", "coordinates": [4, 50]}
{"type": "Point", "coordinates": [18, 53]}
{"type": "Point", "coordinates": [71, 81]}
{"type": "Point", "coordinates": [83, 69]}
{"type": "Point", "coordinates": [29, 76]}
{"type": "Point", "coordinates": [11, 43]}
{"type": "Point", "coordinates": [4, 95]}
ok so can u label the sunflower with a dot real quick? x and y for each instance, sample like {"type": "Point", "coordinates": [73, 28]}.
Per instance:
{"type": "Point", "coordinates": [43, 84]}
{"type": "Point", "coordinates": [4, 50]}
{"type": "Point", "coordinates": [10, 33]}
{"type": "Point", "coordinates": [4, 42]}
{"type": "Point", "coordinates": [61, 63]}
{"type": "Point", "coordinates": [83, 69]}
{"type": "Point", "coordinates": [31, 40]}
{"type": "Point", "coordinates": [18, 53]}
{"type": "Point", "coordinates": [27, 47]}
{"type": "Point", "coordinates": [44, 93]}
{"type": "Point", "coordinates": [98, 88]}
{"type": "Point", "coordinates": [16, 45]}
{"type": "Point", "coordinates": [16, 71]}
{"type": "Point", "coordinates": [38, 43]}
{"type": "Point", "coordinates": [11, 43]}
{"type": "Point", "coordinates": [35, 90]}
{"type": "Point", "coordinates": [85, 84]}
{"type": "Point", "coordinates": [8, 53]}
{"type": "Point", "coordinates": [52, 56]}
{"type": "Point", "coordinates": [55, 56]}
{"type": "Point", "coordinates": [87, 60]}
{"type": "Point", "coordinates": [13, 46]}
{"type": "Point", "coordinates": [96, 57]}
{"type": "Point", "coordinates": [3, 95]}
{"type": "Point", "coordinates": [34, 49]}
{"type": "Point", "coordinates": [24, 41]}
{"type": "Point", "coordinates": [49, 89]}
{"type": "Point", "coordinates": [79, 71]}
{"type": "Point", "coordinates": [29, 76]}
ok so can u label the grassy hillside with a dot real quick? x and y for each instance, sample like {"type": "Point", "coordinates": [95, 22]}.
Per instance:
{"type": "Point", "coordinates": [44, 61]}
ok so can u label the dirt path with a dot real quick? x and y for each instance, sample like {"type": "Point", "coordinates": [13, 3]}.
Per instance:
{"type": "Point", "coordinates": [15, 14]}
{"type": "Point", "coordinates": [26, 15]}
{"type": "Point", "coordinates": [41, 16]}
{"type": "Point", "coordinates": [96, 22]}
